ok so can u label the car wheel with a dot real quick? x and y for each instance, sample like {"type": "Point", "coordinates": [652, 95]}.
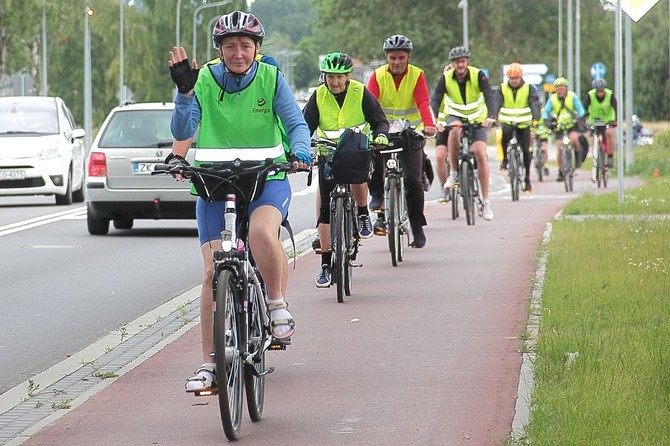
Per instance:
{"type": "Point", "coordinates": [97, 226]}
{"type": "Point", "coordinates": [66, 199]}
{"type": "Point", "coordinates": [78, 196]}
{"type": "Point", "coordinates": [123, 223]}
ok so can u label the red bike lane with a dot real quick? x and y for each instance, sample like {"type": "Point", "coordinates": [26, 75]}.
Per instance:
{"type": "Point", "coordinates": [423, 354]}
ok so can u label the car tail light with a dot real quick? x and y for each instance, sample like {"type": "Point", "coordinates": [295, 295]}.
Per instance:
{"type": "Point", "coordinates": [97, 165]}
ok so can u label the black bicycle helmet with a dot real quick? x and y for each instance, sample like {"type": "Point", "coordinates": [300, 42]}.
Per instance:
{"type": "Point", "coordinates": [599, 83]}
{"type": "Point", "coordinates": [398, 42]}
{"type": "Point", "coordinates": [238, 23]}
{"type": "Point", "coordinates": [458, 52]}
{"type": "Point", "coordinates": [337, 63]}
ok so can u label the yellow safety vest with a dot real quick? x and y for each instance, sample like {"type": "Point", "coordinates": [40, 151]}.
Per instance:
{"type": "Point", "coordinates": [333, 120]}
{"type": "Point", "coordinates": [399, 104]}
{"type": "Point", "coordinates": [473, 108]}
{"type": "Point", "coordinates": [515, 110]}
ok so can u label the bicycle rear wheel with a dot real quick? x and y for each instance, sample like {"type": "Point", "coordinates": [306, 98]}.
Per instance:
{"type": "Point", "coordinates": [602, 168]}
{"type": "Point", "coordinates": [567, 166]}
{"type": "Point", "coordinates": [514, 174]}
{"type": "Point", "coordinates": [253, 383]}
{"type": "Point", "coordinates": [228, 340]}
{"type": "Point", "coordinates": [468, 192]}
{"type": "Point", "coordinates": [339, 253]}
{"type": "Point", "coordinates": [453, 197]}
{"type": "Point", "coordinates": [392, 222]}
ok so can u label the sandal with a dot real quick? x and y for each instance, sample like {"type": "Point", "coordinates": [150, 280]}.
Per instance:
{"type": "Point", "coordinates": [204, 380]}
{"type": "Point", "coordinates": [281, 304]}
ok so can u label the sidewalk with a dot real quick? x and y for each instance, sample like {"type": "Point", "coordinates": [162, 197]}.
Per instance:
{"type": "Point", "coordinates": [425, 353]}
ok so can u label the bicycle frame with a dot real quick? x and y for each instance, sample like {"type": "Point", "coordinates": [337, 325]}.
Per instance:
{"type": "Point", "coordinates": [395, 205]}
{"type": "Point", "coordinates": [599, 170]}
{"type": "Point", "coordinates": [467, 185]}
{"type": "Point", "coordinates": [568, 158]}
{"type": "Point", "coordinates": [515, 166]}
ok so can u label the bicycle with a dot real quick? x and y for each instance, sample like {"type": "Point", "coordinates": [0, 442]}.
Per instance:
{"type": "Point", "coordinates": [515, 167]}
{"type": "Point", "coordinates": [568, 167]}
{"type": "Point", "coordinates": [344, 237]}
{"type": "Point", "coordinates": [599, 170]}
{"type": "Point", "coordinates": [395, 200]}
{"type": "Point", "coordinates": [538, 160]}
{"type": "Point", "coordinates": [467, 184]}
{"type": "Point", "coordinates": [242, 329]}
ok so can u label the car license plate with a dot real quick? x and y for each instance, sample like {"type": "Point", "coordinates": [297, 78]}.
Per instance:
{"type": "Point", "coordinates": [143, 168]}
{"type": "Point", "coordinates": [6, 174]}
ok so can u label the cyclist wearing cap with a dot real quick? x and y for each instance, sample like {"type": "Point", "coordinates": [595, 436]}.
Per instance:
{"type": "Point", "coordinates": [561, 112]}
{"type": "Point", "coordinates": [467, 96]}
{"type": "Point", "coordinates": [600, 104]}
{"type": "Point", "coordinates": [341, 103]}
{"type": "Point", "coordinates": [403, 94]}
{"type": "Point", "coordinates": [519, 108]}
{"type": "Point", "coordinates": [236, 104]}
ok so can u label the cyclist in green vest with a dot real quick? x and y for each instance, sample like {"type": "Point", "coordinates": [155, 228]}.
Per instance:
{"type": "Point", "coordinates": [561, 112]}
{"type": "Point", "coordinates": [519, 108]}
{"type": "Point", "coordinates": [600, 104]}
{"type": "Point", "coordinates": [237, 105]}
{"type": "Point", "coordinates": [341, 103]}
{"type": "Point", "coordinates": [542, 133]}
{"type": "Point", "coordinates": [402, 91]}
{"type": "Point", "coordinates": [467, 96]}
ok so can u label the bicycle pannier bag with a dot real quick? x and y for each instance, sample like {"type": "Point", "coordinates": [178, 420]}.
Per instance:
{"type": "Point", "coordinates": [351, 160]}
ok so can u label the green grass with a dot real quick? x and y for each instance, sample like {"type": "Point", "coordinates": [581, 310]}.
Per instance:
{"type": "Point", "coordinates": [603, 356]}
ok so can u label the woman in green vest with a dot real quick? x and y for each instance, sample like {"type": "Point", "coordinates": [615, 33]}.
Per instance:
{"type": "Point", "coordinates": [340, 103]}
{"type": "Point", "coordinates": [519, 108]}
{"type": "Point", "coordinates": [237, 105]}
{"type": "Point", "coordinates": [600, 104]}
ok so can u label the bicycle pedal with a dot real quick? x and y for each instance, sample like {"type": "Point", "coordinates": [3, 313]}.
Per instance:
{"type": "Point", "coordinates": [279, 344]}
{"type": "Point", "coordinates": [207, 392]}
{"type": "Point", "coordinates": [355, 265]}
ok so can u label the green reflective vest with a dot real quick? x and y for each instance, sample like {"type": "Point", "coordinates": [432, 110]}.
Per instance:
{"type": "Point", "coordinates": [333, 120]}
{"type": "Point", "coordinates": [602, 111]}
{"type": "Point", "coordinates": [563, 111]}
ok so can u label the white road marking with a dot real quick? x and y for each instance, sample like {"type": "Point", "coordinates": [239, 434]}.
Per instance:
{"type": "Point", "coordinates": [41, 221]}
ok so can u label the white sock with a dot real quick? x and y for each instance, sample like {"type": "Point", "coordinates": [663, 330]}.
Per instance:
{"type": "Point", "coordinates": [282, 313]}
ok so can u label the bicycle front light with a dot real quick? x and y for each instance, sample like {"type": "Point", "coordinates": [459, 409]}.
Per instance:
{"type": "Point", "coordinates": [566, 140]}
{"type": "Point", "coordinates": [391, 163]}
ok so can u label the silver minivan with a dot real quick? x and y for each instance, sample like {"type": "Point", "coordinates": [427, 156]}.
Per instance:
{"type": "Point", "coordinates": [119, 185]}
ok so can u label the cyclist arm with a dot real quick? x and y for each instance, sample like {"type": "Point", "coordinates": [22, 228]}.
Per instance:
{"type": "Point", "coordinates": [311, 113]}
{"type": "Point", "coordinates": [534, 103]}
{"type": "Point", "coordinates": [185, 117]}
{"type": "Point", "coordinates": [373, 85]}
{"type": "Point", "coordinates": [614, 106]}
{"type": "Point", "coordinates": [578, 106]}
{"type": "Point", "coordinates": [296, 128]}
{"type": "Point", "coordinates": [374, 115]}
{"type": "Point", "coordinates": [422, 100]}
{"type": "Point", "coordinates": [548, 108]}
{"type": "Point", "coordinates": [489, 98]}
{"type": "Point", "coordinates": [438, 95]}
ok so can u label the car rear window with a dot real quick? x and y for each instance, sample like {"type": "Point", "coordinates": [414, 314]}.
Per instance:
{"type": "Point", "coordinates": [137, 128]}
{"type": "Point", "coordinates": [26, 117]}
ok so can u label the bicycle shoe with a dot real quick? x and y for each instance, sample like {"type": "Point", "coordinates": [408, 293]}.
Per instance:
{"type": "Point", "coordinates": [486, 212]}
{"type": "Point", "coordinates": [451, 181]}
{"type": "Point", "coordinates": [204, 379]}
{"type": "Point", "coordinates": [364, 226]}
{"type": "Point", "coordinates": [379, 227]}
{"type": "Point", "coordinates": [503, 166]}
{"type": "Point", "coordinates": [323, 280]}
{"type": "Point", "coordinates": [444, 196]}
{"type": "Point", "coordinates": [560, 178]}
{"type": "Point", "coordinates": [419, 238]}
{"type": "Point", "coordinates": [546, 172]}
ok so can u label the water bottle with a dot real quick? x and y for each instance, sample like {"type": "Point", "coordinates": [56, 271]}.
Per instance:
{"type": "Point", "coordinates": [229, 234]}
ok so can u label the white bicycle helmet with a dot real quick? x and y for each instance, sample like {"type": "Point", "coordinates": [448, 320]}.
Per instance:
{"type": "Point", "coordinates": [238, 23]}
{"type": "Point", "coordinates": [398, 42]}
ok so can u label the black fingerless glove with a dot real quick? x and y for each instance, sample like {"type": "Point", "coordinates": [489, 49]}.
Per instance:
{"type": "Point", "coordinates": [175, 160]}
{"type": "Point", "coordinates": [183, 76]}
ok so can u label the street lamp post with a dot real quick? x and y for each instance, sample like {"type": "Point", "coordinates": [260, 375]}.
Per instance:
{"type": "Point", "coordinates": [578, 49]}
{"type": "Point", "coordinates": [209, 27]}
{"type": "Point", "coordinates": [463, 4]}
{"type": "Point", "coordinates": [178, 15]}
{"type": "Point", "coordinates": [195, 26]}
{"type": "Point", "coordinates": [560, 38]}
{"type": "Point", "coordinates": [122, 90]}
{"type": "Point", "coordinates": [88, 113]}
{"type": "Point", "coordinates": [44, 89]}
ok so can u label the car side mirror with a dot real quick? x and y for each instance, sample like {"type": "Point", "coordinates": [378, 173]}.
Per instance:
{"type": "Point", "coordinates": [78, 134]}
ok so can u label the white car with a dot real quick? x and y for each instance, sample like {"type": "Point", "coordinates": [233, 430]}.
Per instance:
{"type": "Point", "coordinates": [119, 185]}
{"type": "Point", "coordinates": [41, 149]}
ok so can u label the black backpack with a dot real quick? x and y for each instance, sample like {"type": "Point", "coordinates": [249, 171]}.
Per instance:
{"type": "Point", "coordinates": [351, 160]}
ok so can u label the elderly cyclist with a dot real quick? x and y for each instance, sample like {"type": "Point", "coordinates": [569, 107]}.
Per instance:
{"type": "Point", "coordinates": [403, 94]}
{"type": "Point", "coordinates": [220, 99]}
{"type": "Point", "coordinates": [341, 103]}
{"type": "Point", "coordinates": [519, 108]}
{"type": "Point", "coordinates": [600, 105]}
{"type": "Point", "coordinates": [467, 96]}
{"type": "Point", "coordinates": [561, 112]}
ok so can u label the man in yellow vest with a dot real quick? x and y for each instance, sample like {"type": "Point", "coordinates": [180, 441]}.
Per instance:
{"type": "Point", "coordinates": [519, 108]}
{"type": "Point", "coordinates": [402, 91]}
{"type": "Point", "coordinates": [338, 104]}
{"type": "Point", "coordinates": [468, 96]}
{"type": "Point", "coordinates": [600, 104]}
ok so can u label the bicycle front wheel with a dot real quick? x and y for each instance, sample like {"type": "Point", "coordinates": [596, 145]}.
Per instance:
{"type": "Point", "coordinates": [392, 220]}
{"type": "Point", "coordinates": [453, 196]}
{"type": "Point", "coordinates": [350, 224]}
{"type": "Point", "coordinates": [254, 383]}
{"type": "Point", "coordinates": [514, 175]}
{"type": "Point", "coordinates": [228, 340]}
{"type": "Point", "coordinates": [468, 192]}
{"type": "Point", "coordinates": [339, 252]}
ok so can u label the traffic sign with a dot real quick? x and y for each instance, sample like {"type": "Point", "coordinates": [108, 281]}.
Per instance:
{"type": "Point", "coordinates": [636, 9]}
{"type": "Point", "coordinates": [550, 78]}
{"type": "Point", "coordinates": [598, 70]}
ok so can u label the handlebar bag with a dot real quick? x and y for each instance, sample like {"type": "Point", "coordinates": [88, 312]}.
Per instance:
{"type": "Point", "coordinates": [351, 160]}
